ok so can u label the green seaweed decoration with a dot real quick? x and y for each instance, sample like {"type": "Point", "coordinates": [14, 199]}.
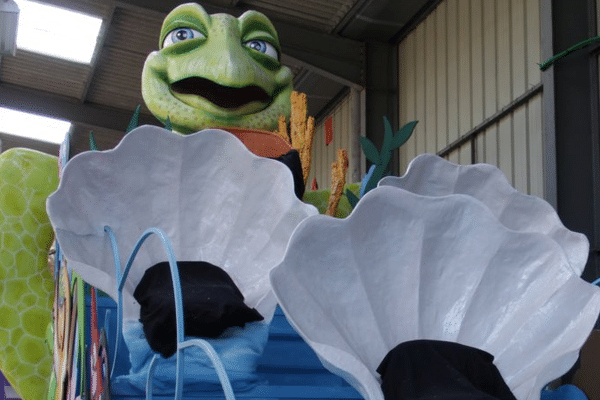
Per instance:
{"type": "Point", "coordinates": [133, 123]}
{"type": "Point", "coordinates": [352, 198]}
{"type": "Point", "coordinates": [135, 119]}
{"type": "Point", "coordinates": [380, 159]}
{"type": "Point", "coordinates": [168, 125]}
{"type": "Point", "coordinates": [93, 145]}
{"type": "Point", "coordinates": [584, 43]}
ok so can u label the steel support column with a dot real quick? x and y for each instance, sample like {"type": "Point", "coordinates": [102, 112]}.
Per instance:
{"type": "Point", "coordinates": [381, 93]}
{"type": "Point", "coordinates": [576, 125]}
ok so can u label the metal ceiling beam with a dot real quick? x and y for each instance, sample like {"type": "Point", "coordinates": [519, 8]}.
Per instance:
{"type": "Point", "coordinates": [428, 8]}
{"type": "Point", "coordinates": [340, 59]}
{"type": "Point", "coordinates": [165, 6]}
{"type": "Point", "coordinates": [347, 81]}
{"type": "Point", "coordinates": [106, 23]}
{"type": "Point", "coordinates": [351, 14]}
{"type": "Point", "coordinates": [52, 105]}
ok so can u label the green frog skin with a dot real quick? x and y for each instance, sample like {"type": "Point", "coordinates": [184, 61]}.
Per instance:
{"type": "Point", "coordinates": [27, 178]}
{"type": "Point", "coordinates": [217, 71]}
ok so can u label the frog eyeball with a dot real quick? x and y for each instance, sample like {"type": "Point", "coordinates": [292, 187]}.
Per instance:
{"type": "Point", "coordinates": [263, 47]}
{"type": "Point", "coordinates": [181, 34]}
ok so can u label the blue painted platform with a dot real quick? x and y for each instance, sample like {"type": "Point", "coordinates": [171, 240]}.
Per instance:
{"type": "Point", "coordinates": [288, 369]}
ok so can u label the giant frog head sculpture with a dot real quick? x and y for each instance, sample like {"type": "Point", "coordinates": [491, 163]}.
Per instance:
{"type": "Point", "coordinates": [217, 71]}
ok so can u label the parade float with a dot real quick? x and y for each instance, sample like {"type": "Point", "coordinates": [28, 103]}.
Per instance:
{"type": "Point", "coordinates": [174, 249]}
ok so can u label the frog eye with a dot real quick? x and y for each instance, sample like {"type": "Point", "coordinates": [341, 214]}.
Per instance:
{"type": "Point", "coordinates": [181, 34]}
{"type": "Point", "coordinates": [263, 47]}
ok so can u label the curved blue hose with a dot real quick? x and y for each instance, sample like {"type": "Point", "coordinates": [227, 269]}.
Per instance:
{"type": "Point", "coordinates": [208, 349]}
{"type": "Point", "coordinates": [150, 373]}
{"type": "Point", "coordinates": [176, 292]}
{"type": "Point", "coordinates": [214, 357]}
{"type": "Point", "coordinates": [119, 276]}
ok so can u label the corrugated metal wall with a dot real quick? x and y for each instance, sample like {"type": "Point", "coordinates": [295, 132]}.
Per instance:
{"type": "Point", "coordinates": [343, 137]}
{"type": "Point", "coordinates": [469, 73]}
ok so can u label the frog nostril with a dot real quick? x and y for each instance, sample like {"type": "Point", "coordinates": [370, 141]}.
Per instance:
{"type": "Point", "coordinates": [222, 96]}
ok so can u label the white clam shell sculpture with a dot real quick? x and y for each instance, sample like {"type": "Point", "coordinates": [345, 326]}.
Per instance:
{"type": "Point", "coordinates": [430, 175]}
{"type": "Point", "coordinates": [216, 201]}
{"type": "Point", "coordinates": [404, 266]}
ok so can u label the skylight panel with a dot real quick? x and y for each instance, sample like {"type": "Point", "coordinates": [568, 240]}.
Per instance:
{"type": "Point", "coordinates": [57, 32]}
{"type": "Point", "coordinates": [33, 126]}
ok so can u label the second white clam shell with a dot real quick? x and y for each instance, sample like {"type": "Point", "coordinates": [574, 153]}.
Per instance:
{"type": "Point", "coordinates": [430, 175]}
{"type": "Point", "coordinates": [404, 266]}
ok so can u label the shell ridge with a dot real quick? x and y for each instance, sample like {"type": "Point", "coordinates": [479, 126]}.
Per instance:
{"type": "Point", "coordinates": [192, 147]}
{"type": "Point", "coordinates": [307, 230]}
{"type": "Point", "coordinates": [369, 390]}
{"type": "Point", "coordinates": [387, 198]}
{"type": "Point", "coordinates": [541, 278]}
{"type": "Point", "coordinates": [552, 342]}
{"type": "Point", "coordinates": [460, 304]}
{"type": "Point", "coordinates": [173, 234]}
{"type": "Point", "coordinates": [541, 213]}
{"type": "Point", "coordinates": [232, 242]}
{"type": "Point", "coordinates": [263, 247]}
{"type": "Point", "coordinates": [287, 279]}
{"type": "Point", "coordinates": [333, 316]}
{"type": "Point", "coordinates": [351, 220]}
{"type": "Point", "coordinates": [147, 150]}
{"type": "Point", "coordinates": [330, 362]}
{"type": "Point", "coordinates": [551, 223]}
{"type": "Point", "coordinates": [472, 225]}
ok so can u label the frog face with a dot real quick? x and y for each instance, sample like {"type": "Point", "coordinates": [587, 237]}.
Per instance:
{"type": "Point", "coordinates": [217, 71]}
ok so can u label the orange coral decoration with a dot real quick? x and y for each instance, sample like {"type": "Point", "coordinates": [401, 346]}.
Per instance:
{"type": "Point", "coordinates": [302, 131]}
{"type": "Point", "coordinates": [338, 180]}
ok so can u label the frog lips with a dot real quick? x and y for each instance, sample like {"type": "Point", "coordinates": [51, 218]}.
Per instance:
{"type": "Point", "coordinates": [226, 97]}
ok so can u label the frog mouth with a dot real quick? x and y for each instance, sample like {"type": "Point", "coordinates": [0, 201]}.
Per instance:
{"type": "Point", "coordinates": [225, 97]}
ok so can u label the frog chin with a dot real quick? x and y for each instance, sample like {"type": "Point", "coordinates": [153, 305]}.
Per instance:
{"type": "Point", "coordinates": [218, 100]}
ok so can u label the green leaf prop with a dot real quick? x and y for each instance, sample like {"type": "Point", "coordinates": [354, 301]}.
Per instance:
{"type": "Point", "coordinates": [385, 156]}
{"type": "Point", "coordinates": [548, 63]}
{"type": "Point", "coordinates": [370, 150]}
{"type": "Point", "coordinates": [135, 119]}
{"type": "Point", "coordinates": [404, 134]}
{"type": "Point", "coordinates": [382, 159]}
{"type": "Point", "coordinates": [378, 173]}
{"type": "Point", "coordinates": [352, 198]}
{"type": "Point", "coordinates": [388, 136]}
{"type": "Point", "coordinates": [93, 145]}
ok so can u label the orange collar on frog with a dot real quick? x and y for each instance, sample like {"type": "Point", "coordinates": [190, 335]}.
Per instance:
{"type": "Point", "coordinates": [260, 142]}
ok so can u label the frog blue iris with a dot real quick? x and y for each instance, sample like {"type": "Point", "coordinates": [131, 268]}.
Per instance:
{"type": "Point", "coordinates": [263, 47]}
{"type": "Point", "coordinates": [181, 34]}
